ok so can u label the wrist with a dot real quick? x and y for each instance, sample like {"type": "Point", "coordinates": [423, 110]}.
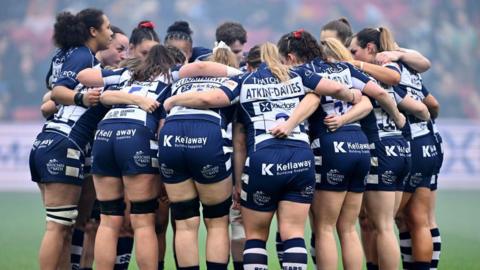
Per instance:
{"type": "Point", "coordinates": [78, 99]}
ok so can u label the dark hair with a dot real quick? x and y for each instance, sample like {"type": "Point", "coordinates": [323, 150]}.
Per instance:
{"type": "Point", "coordinates": [254, 58]}
{"type": "Point", "coordinates": [145, 30]}
{"type": "Point", "coordinates": [342, 27]}
{"type": "Point", "coordinates": [158, 61]}
{"type": "Point", "coordinates": [74, 30]}
{"type": "Point", "coordinates": [302, 44]}
{"type": "Point", "coordinates": [177, 55]}
{"type": "Point", "coordinates": [381, 37]}
{"type": "Point", "coordinates": [116, 30]}
{"type": "Point", "coordinates": [229, 32]}
{"type": "Point", "coordinates": [179, 30]}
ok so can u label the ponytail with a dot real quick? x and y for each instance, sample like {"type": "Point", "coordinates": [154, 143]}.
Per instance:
{"type": "Point", "coordinates": [145, 30]}
{"type": "Point", "coordinates": [333, 48]}
{"type": "Point", "coordinates": [269, 54]}
{"type": "Point", "coordinates": [381, 37]}
{"type": "Point", "coordinates": [387, 43]}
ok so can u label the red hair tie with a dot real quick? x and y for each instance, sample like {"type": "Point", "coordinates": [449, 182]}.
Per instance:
{"type": "Point", "coordinates": [150, 25]}
{"type": "Point", "coordinates": [298, 34]}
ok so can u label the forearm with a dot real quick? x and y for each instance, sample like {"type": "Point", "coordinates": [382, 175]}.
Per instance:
{"type": "Point", "coordinates": [91, 77]}
{"type": "Point", "coordinates": [63, 95]}
{"type": "Point", "coordinates": [358, 111]}
{"type": "Point", "coordinates": [206, 68]}
{"type": "Point", "coordinates": [387, 103]}
{"type": "Point", "coordinates": [239, 153]}
{"type": "Point", "coordinates": [415, 60]}
{"type": "Point", "coordinates": [48, 108]}
{"type": "Point", "coordinates": [380, 73]}
{"type": "Point", "coordinates": [118, 97]}
{"type": "Point", "coordinates": [304, 109]}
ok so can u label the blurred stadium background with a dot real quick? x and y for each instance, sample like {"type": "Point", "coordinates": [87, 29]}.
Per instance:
{"type": "Point", "coordinates": [447, 32]}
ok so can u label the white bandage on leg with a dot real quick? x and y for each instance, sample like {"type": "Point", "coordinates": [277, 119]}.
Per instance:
{"type": "Point", "coordinates": [236, 221]}
{"type": "Point", "coordinates": [65, 214]}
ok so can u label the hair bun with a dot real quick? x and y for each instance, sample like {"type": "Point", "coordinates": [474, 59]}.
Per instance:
{"type": "Point", "coordinates": [180, 26]}
{"type": "Point", "coordinates": [146, 24]}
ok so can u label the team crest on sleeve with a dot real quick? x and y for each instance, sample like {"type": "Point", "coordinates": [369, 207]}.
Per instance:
{"type": "Point", "coordinates": [230, 85]}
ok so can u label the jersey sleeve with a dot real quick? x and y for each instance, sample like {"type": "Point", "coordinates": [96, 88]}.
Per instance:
{"type": "Point", "coordinates": [400, 92]}
{"type": "Point", "coordinates": [309, 78]}
{"type": "Point", "coordinates": [76, 62]}
{"type": "Point", "coordinates": [393, 66]}
{"type": "Point", "coordinates": [232, 88]}
{"type": "Point", "coordinates": [175, 72]}
{"type": "Point", "coordinates": [112, 77]}
{"type": "Point", "coordinates": [359, 80]}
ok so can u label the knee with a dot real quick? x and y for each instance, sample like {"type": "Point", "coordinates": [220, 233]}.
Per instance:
{"type": "Point", "coordinates": [417, 219]}
{"type": "Point", "coordinates": [61, 217]}
{"type": "Point", "coordinates": [344, 227]}
{"type": "Point", "coordinates": [186, 214]}
{"type": "Point", "coordinates": [217, 215]}
{"type": "Point", "coordinates": [364, 221]}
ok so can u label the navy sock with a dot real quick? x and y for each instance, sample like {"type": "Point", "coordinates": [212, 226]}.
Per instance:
{"type": "Point", "coordinates": [238, 265]}
{"type": "Point", "coordinates": [124, 253]}
{"type": "Point", "coordinates": [76, 249]}
{"type": "Point", "coordinates": [196, 267]}
{"type": "Point", "coordinates": [295, 256]}
{"type": "Point", "coordinates": [279, 248]}
{"type": "Point", "coordinates": [313, 253]}
{"type": "Point", "coordinates": [421, 266]}
{"type": "Point", "coordinates": [371, 266]}
{"type": "Point", "coordinates": [406, 250]}
{"type": "Point", "coordinates": [86, 268]}
{"type": "Point", "coordinates": [161, 264]}
{"type": "Point", "coordinates": [437, 248]}
{"type": "Point", "coordinates": [217, 266]}
{"type": "Point", "coordinates": [255, 255]}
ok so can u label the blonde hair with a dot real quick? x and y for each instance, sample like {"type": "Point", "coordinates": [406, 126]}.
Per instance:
{"type": "Point", "coordinates": [224, 56]}
{"type": "Point", "coordinates": [269, 54]}
{"type": "Point", "coordinates": [387, 42]}
{"type": "Point", "coordinates": [333, 48]}
{"type": "Point", "coordinates": [130, 63]}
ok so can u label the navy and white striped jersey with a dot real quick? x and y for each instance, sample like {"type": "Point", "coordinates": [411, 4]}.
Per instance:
{"type": "Point", "coordinates": [221, 116]}
{"type": "Point", "coordinates": [343, 73]}
{"type": "Point", "coordinates": [76, 122]}
{"type": "Point", "coordinates": [411, 83]}
{"type": "Point", "coordinates": [158, 89]}
{"type": "Point", "coordinates": [378, 124]}
{"type": "Point", "coordinates": [265, 101]}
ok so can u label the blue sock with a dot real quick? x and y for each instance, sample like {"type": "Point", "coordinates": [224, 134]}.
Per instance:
{"type": "Point", "coordinates": [406, 250]}
{"type": "Point", "coordinates": [196, 267]}
{"type": "Point", "coordinates": [421, 266]}
{"type": "Point", "coordinates": [161, 264]}
{"type": "Point", "coordinates": [238, 265]}
{"type": "Point", "coordinates": [279, 248]}
{"type": "Point", "coordinates": [255, 255]}
{"type": "Point", "coordinates": [295, 256]}
{"type": "Point", "coordinates": [124, 253]}
{"type": "Point", "coordinates": [76, 249]}
{"type": "Point", "coordinates": [437, 248]}
{"type": "Point", "coordinates": [371, 266]}
{"type": "Point", "coordinates": [313, 253]}
{"type": "Point", "coordinates": [217, 266]}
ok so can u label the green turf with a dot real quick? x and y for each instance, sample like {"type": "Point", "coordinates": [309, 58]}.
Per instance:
{"type": "Point", "coordinates": [22, 223]}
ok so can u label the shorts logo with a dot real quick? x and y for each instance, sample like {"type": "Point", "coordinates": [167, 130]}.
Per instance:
{"type": "Point", "coordinates": [125, 133]}
{"type": "Point", "coordinates": [307, 192]}
{"type": "Point", "coordinates": [415, 179]}
{"type": "Point", "coordinates": [338, 147]}
{"type": "Point", "coordinates": [388, 177]}
{"type": "Point", "coordinates": [166, 140]}
{"type": "Point", "coordinates": [42, 144]}
{"type": "Point", "coordinates": [166, 172]}
{"type": "Point", "coordinates": [141, 159]}
{"type": "Point", "coordinates": [334, 177]}
{"type": "Point", "coordinates": [260, 198]}
{"type": "Point", "coordinates": [103, 134]}
{"type": "Point", "coordinates": [390, 150]}
{"type": "Point", "coordinates": [265, 106]}
{"type": "Point", "coordinates": [266, 169]}
{"type": "Point", "coordinates": [54, 167]}
{"type": "Point", "coordinates": [208, 171]}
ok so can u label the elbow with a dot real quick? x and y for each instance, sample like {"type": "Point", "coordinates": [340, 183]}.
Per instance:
{"type": "Point", "coordinates": [422, 113]}
{"type": "Point", "coordinates": [55, 93]}
{"type": "Point", "coordinates": [368, 105]}
{"type": "Point", "coordinates": [434, 110]}
{"type": "Point", "coordinates": [424, 65]}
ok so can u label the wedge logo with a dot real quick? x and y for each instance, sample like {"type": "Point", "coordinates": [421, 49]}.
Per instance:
{"type": "Point", "coordinates": [166, 140]}
{"type": "Point", "coordinates": [338, 147]}
{"type": "Point", "coordinates": [141, 159]}
{"type": "Point", "coordinates": [54, 167]}
{"type": "Point", "coordinates": [166, 172]}
{"type": "Point", "coordinates": [209, 171]}
{"type": "Point", "coordinates": [266, 107]}
{"type": "Point", "coordinates": [266, 169]}
{"type": "Point", "coordinates": [260, 198]}
{"type": "Point", "coordinates": [390, 150]}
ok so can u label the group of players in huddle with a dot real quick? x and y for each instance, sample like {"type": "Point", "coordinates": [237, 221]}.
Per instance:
{"type": "Point", "coordinates": [331, 131]}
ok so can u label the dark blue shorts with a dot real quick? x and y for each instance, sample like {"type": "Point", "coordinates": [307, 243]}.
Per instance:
{"type": "Point", "coordinates": [390, 164]}
{"type": "Point", "coordinates": [55, 158]}
{"type": "Point", "coordinates": [124, 149]}
{"type": "Point", "coordinates": [342, 161]}
{"type": "Point", "coordinates": [195, 149]}
{"type": "Point", "coordinates": [424, 162]}
{"type": "Point", "coordinates": [436, 172]}
{"type": "Point", "coordinates": [278, 173]}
